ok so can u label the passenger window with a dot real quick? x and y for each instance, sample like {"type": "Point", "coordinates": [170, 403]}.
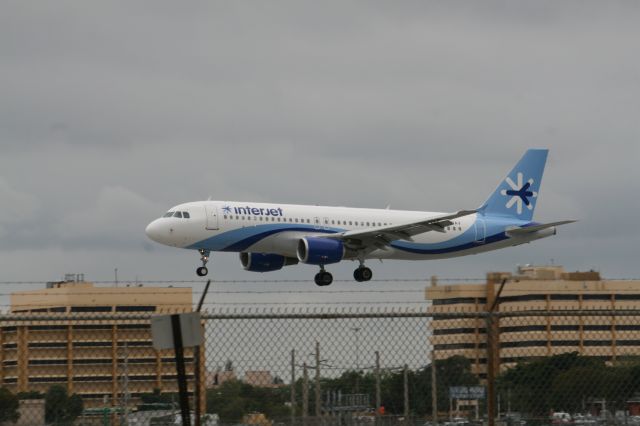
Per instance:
{"type": "Point", "coordinates": [186, 215]}
{"type": "Point", "coordinates": [308, 220]}
{"type": "Point", "coordinates": [333, 222]}
{"type": "Point", "coordinates": [177, 214]}
{"type": "Point", "coordinates": [225, 216]}
{"type": "Point", "coordinates": [296, 220]}
{"type": "Point", "coordinates": [168, 214]}
{"type": "Point", "coordinates": [367, 223]}
{"type": "Point", "coordinates": [350, 223]}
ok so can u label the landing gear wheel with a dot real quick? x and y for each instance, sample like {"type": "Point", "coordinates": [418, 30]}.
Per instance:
{"type": "Point", "coordinates": [323, 278]}
{"type": "Point", "coordinates": [362, 274]}
{"type": "Point", "coordinates": [204, 258]}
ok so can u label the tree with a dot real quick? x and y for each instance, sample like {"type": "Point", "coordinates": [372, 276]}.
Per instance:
{"type": "Point", "coordinates": [157, 401]}
{"type": "Point", "coordinates": [564, 382]}
{"type": "Point", "coordinates": [8, 406]}
{"type": "Point", "coordinates": [59, 407]}
{"type": "Point", "coordinates": [233, 399]}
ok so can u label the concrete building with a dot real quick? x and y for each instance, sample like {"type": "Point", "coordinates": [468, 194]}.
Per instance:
{"type": "Point", "coordinates": [108, 362]}
{"type": "Point", "coordinates": [546, 289]}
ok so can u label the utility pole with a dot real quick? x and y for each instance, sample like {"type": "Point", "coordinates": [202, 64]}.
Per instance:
{"type": "Point", "coordinates": [318, 411]}
{"type": "Point", "coordinates": [434, 389]}
{"type": "Point", "coordinates": [125, 383]}
{"type": "Point", "coordinates": [493, 356]}
{"type": "Point", "coordinates": [305, 394]}
{"type": "Point", "coordinates": [406, 392]}
{"type": "Point", "coordinates": [293, 386]}
{"type": "Point", "coordinates": [356, 330]}
{"type": "Point", "coordinates": [378, 398]}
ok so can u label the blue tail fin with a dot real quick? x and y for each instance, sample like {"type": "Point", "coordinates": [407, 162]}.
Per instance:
{"type": "Point", "coordinates": [517, 194]}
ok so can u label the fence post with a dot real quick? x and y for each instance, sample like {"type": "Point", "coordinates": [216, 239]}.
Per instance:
{"type": "Point", "coordinates": [318, 411]}
{"type": "Point", "coordinates": [293, 386]}
{"type": "Point", "coordinates": [378, 398]}
{"type": "Point", "coordinates": [434, 389]}
{"type": "Point", "coordinates": [305, 394]}
{"type": "Point", "coordinates": [491, 374]}
{"type": "Point", "coordinates": [406, 391]}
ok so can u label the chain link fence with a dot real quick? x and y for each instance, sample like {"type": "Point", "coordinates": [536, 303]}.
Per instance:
{"type": "Point", "coordinates": [308, 368]}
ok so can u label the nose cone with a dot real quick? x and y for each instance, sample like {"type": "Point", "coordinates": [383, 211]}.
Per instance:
{"type": "Point", "coordinates": [154, 231]}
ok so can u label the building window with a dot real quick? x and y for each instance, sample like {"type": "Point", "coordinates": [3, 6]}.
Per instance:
{"type": "Point", "coordinates": [456, 300]}
{"type": "Point", "coordinates": [604, 297]}
{"type": "Point", "coordinates": [565, 328]}
{"type": "Point", "coordinates": [564, 297]}
{"type": "Point", "coordinates": [91, 309]}
{"type": "Point", "coordinates": [523, 344]}
{"type": "Point", "coordinates": [524, 298]}
{"type": "Point", "coordinates": [135, 308]}
{"type": "Point", "coordinates": [523, 328]}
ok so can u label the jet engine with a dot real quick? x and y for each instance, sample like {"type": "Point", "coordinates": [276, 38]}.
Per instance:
{"type": "Point", "coordinates": [320, 251]}
{"type": "Point", "coordinates": [259, 262]}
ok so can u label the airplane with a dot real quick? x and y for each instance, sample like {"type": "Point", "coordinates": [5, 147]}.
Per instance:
{"type": "Point", "coordinates": [270, 236]}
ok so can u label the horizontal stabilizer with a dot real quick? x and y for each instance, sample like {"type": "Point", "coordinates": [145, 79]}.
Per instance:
{"type": "Point", "coordinates": [536, 228]}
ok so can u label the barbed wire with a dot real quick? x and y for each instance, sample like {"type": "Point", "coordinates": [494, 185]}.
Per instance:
{"type": "Point", "coordinates": [279, 281]}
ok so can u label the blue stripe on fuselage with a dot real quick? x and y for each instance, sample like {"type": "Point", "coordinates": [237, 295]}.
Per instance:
{"type": "Point", "coordinates": [241, 239]}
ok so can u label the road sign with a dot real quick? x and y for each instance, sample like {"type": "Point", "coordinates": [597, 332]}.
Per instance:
{"type": "Point", "coordinates": [162, 331]}
{"type": "Point", "coordinates": [467, 392]}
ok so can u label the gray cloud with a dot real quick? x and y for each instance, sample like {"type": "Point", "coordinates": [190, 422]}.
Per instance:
{"type": "Point", "coordinates": [110, 113]}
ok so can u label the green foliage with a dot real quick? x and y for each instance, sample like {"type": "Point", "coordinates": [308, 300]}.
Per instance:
{"type": "Point", "coordinates": [564, 382]}
{"type": "Point", "coordinates": [8, 406]}
{"type": "Point", "coordinates": [59, 407]}
{"type": "Point", "coordinates": [233, 399]}
{"type": "Point", "coordinates": [30, 395]}
{"type": "Point", "coordinates": [454, 371]}
{"type": "Point", "coordinates": [157, 401]}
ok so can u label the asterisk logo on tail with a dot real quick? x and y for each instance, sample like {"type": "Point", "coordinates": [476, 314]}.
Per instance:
{"type": "Point", "coordinates": [519, 193]}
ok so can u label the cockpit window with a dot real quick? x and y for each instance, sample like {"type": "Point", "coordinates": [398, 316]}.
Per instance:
{"type": "Point", "coordinates": [186, 215]}
{"type": "Point", "coordinates": [168, 214]}
{"type": "Point", "coordinates": [177, 214]}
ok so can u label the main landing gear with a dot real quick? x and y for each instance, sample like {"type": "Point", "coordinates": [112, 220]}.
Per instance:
{"type": "Point", "coordinates": [362, 274]}
{"type": "Point", "coordinates": [204, 257]}
{"type": "Point", "coordinates": [323, 277]}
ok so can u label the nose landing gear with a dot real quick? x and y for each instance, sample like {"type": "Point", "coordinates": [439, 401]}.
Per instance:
{"type": "Point", "coordinates": [204, 257]}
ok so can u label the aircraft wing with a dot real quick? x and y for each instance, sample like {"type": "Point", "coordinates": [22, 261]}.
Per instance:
{"type": "Point", "coordinates": [381, 236]}
{"type": "Point", "coordinates": [535, 228]}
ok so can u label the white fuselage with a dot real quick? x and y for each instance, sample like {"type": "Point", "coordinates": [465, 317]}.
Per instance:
{"type": "Point", "coordinates": [277, 228]}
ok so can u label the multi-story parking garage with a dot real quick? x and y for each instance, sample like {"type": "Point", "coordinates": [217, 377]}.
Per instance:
{"type": "Point", "coordinates": [541, 289]}
{"type": "Point", "coordinates": [50, 338]}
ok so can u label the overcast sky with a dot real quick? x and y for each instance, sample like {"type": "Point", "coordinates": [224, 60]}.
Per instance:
{"type": "Point", "coordinates": [112, 112]}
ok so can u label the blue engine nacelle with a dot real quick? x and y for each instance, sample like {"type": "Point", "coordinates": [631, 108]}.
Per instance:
{"type": "Point", "coordinates": [259, 262]}
{"type": "Point", "coordinates": [320, 251]}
